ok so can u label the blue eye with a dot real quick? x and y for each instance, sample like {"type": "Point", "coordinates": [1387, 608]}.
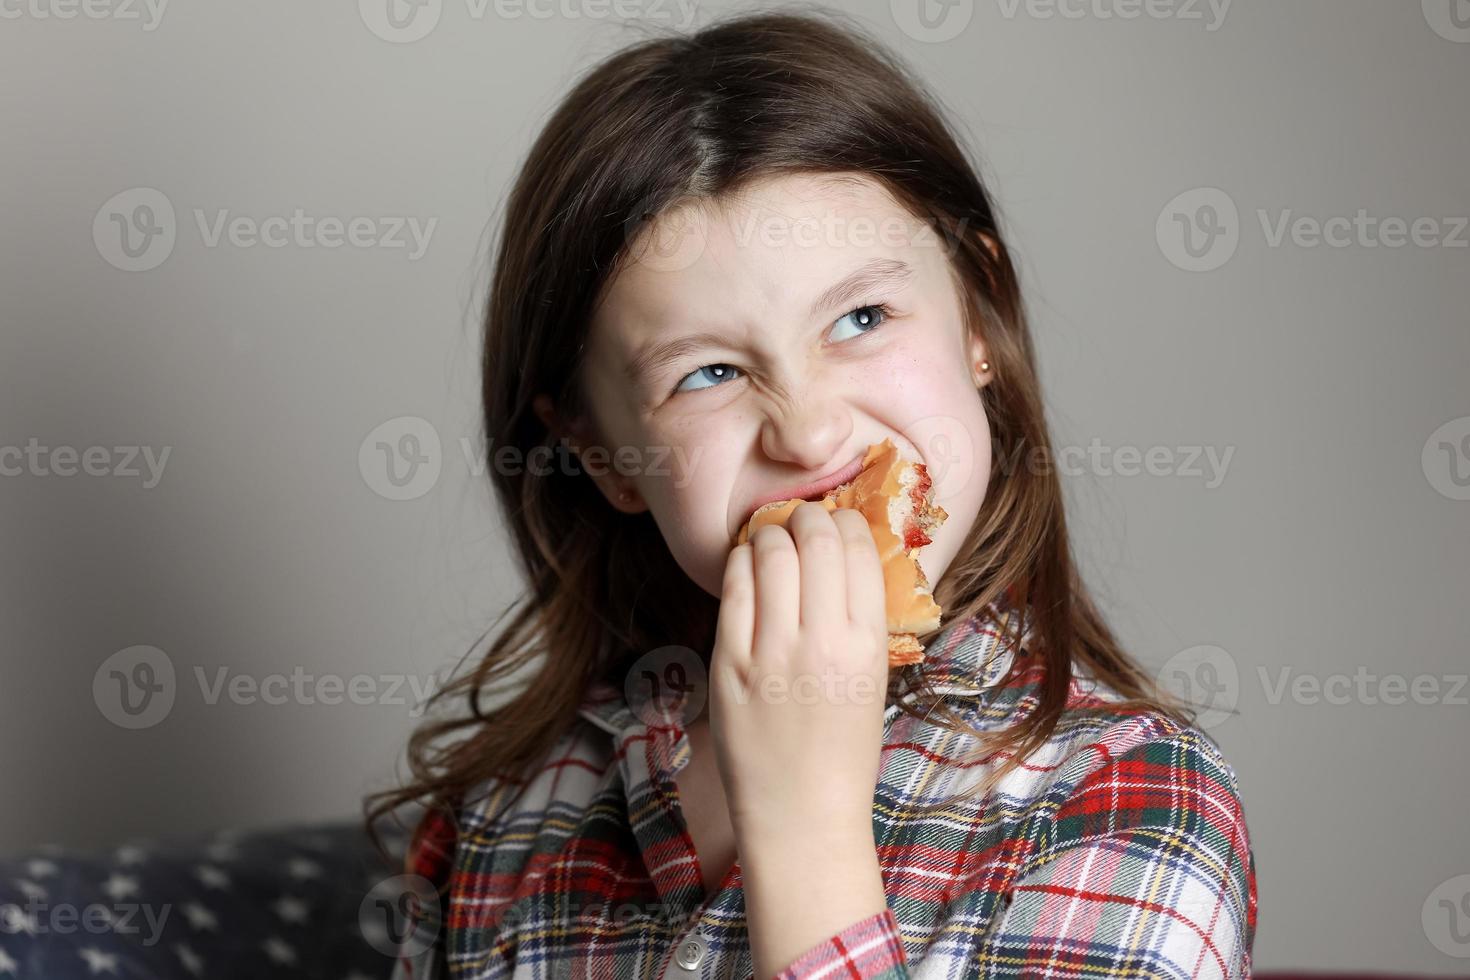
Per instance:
{"type": "Point", "coordinates": [721, 371]}
{"type": "Point", "coordinates": [869, 317]}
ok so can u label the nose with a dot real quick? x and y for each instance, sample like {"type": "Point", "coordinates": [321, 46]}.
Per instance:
{"type": "Point", "coordinates": [808, 435]}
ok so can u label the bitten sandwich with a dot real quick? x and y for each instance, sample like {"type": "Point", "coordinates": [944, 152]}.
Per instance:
{"type": "Point", "coordinates": [895, 495]}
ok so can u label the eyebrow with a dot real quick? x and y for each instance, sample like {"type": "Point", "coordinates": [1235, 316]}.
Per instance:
{"type": "Point", "coordinates": [887, 274]}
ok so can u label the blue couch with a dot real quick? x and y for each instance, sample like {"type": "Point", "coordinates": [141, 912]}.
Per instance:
{"type": "Point", "coordinates": [297, 901]}
{"type": "Point", "coordinates": [305, 900]}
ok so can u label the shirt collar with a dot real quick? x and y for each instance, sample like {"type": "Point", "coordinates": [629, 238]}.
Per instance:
{"type": "Point", "coordinates": [966, 658]}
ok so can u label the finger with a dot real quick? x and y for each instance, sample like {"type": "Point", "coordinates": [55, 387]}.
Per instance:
{"type": "Point", "coordinates": [867, 604]}
{"type": "Point", "coordinates": [735, 627]}
{"type": "Point", "coordinates": [777, 586]}
{"type": "Point", "coordinates": [823, 571]}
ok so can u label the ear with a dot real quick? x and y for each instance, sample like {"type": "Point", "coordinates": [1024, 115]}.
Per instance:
{"type": "Point", "coordinates": [579, 434]}
{"type": "Point", "coordinates": [545, 410]}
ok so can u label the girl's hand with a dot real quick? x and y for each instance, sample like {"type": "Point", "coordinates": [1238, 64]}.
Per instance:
{"type": "Point", "coordinates": [798, 679]}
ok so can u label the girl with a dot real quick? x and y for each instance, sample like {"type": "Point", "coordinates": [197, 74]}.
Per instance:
{"type": "Point", "coordinates": [731, 263]}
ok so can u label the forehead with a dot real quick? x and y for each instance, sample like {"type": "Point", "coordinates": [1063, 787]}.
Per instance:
{"type": "Point", "coordinates": [755, 257]}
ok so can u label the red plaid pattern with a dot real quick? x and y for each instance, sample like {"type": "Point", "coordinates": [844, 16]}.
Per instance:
{"type": "Point", "coordinates": [1118, 849]}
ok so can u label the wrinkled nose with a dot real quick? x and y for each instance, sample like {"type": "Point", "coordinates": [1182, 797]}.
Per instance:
{"type": "Point", "coordinates": [809, 435]}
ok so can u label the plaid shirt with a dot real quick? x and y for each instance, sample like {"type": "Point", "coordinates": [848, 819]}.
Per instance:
{"type": "Point", "coordinates": [1119, 849]}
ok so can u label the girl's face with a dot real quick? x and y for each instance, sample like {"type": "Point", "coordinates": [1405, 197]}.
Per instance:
{"type": "Point", "coordinates": [755, 345]}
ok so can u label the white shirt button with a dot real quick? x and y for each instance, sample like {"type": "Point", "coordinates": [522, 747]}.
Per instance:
{"type": "Point", "coordinates": [691, 953]}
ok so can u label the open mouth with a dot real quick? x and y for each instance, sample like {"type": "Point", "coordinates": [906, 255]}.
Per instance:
{"type": "Point", "coordinates": [814, 490]}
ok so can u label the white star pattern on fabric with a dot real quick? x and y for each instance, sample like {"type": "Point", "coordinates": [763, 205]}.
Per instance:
{"type": "Point", "coordinates": [191, 960]}
{"type": "Point", "coordinates": [303, 868]}
{"type": "Point", "coordinates": [291, 909]}
{"type": "Point", "coordinates": [223, 851]}
{"type": "Point", "coordinates": [119, 887]}
{"type": "Point", "coordinates": [98, 961]}
{"type": "Point", "coordinates": [200, 918]}
{"type": "Point", "coordinates": [212, 877]}
{"type": "Point", "coordinates": [40, 868]}
{"type": "Point", "coordinates": [279, 952]}
{"type": "Point", "coordinates": [18, 920]}
{"type": "Point", "coordinates": [275, 902]}
{"type": "Point", "coordinates": [30, 889]}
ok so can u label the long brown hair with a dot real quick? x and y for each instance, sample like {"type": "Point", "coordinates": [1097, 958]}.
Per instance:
{"type": "Point", "coordinates": [674, 118]}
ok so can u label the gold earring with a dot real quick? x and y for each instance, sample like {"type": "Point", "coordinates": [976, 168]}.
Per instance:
{"type": "Point", "coordinates": [625, 496]}
{"type": "Point", "coordinates": [984, 366]}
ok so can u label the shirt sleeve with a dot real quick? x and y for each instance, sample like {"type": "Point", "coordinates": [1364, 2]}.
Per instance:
{"type": "Point", "coordinates": [1145, 870]}
{"type": "Point", "coordinates": [870, 948]}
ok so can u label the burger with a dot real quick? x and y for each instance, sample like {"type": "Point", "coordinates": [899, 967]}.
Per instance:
{"type": "Point", "coordinates": [895, 496]}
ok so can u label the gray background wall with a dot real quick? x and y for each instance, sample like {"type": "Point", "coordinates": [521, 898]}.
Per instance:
{"type": "Point", "coordinates": [1334, 546]}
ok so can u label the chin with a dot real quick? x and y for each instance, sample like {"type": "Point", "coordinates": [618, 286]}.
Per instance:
{"type": "Point", "coordinates": [706, 570]}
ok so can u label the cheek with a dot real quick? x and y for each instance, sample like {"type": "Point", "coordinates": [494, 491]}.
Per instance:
{"type": "Point", "coordinates": [689, 496]}
{"type": "Point", "coordinates": [924, 392]}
